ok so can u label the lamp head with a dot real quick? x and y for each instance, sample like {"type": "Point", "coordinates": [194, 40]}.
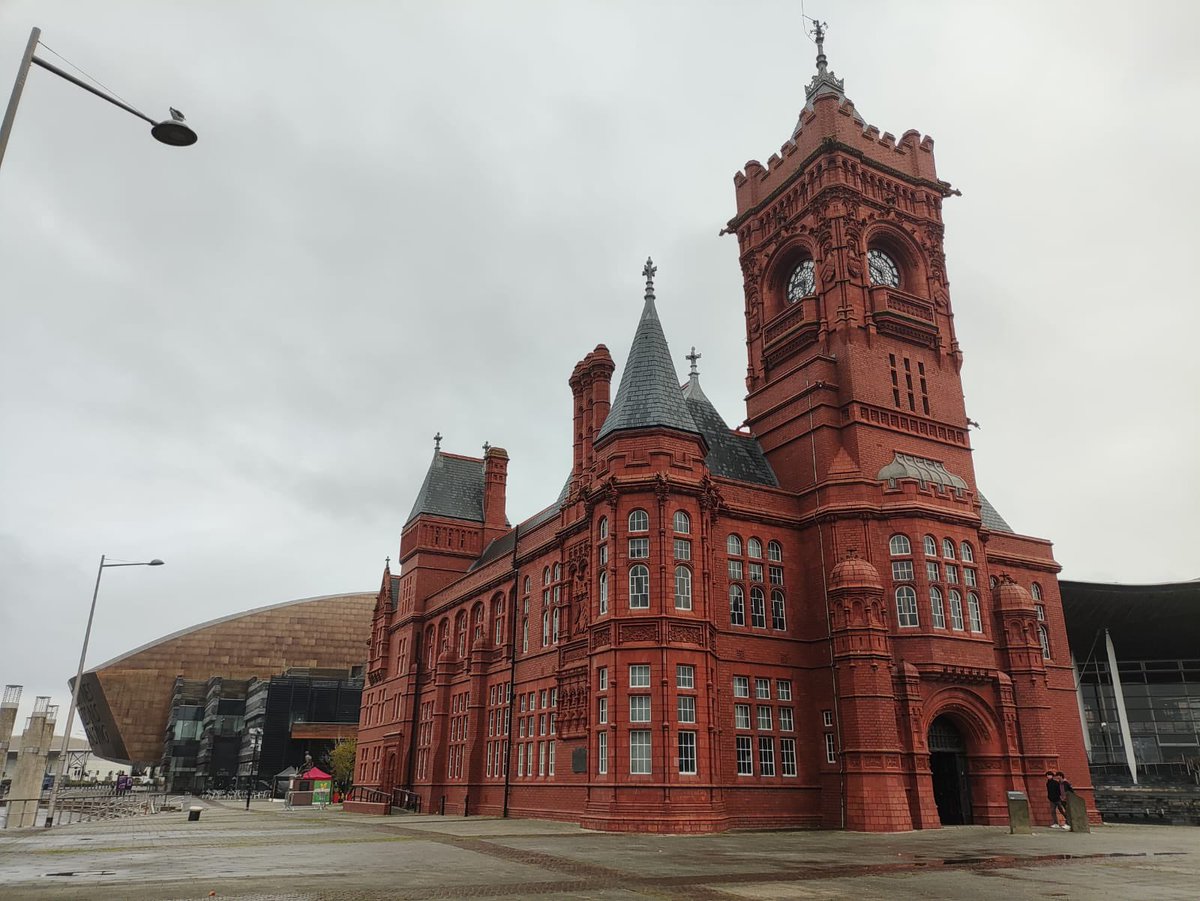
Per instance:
{"type": "Point", "coordinates": [174, 131]}
{"type": "Point", "coordinates": [155, 562]}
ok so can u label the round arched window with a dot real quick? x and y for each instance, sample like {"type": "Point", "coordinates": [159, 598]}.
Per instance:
{"type": "Point", "coordinates": [883, 269]}
{"type": "Point", "coordinates": [802, 282]}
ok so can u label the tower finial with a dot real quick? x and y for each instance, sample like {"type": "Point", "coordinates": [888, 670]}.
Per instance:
{"type": "Point", "coordinates": [648, 271]}
{"type": "Point", "coordinates": [437, 441]}
{"type": "Point", "coordinates": [692, 358]}
{"type": "Point", "coordinates": [818, 33]}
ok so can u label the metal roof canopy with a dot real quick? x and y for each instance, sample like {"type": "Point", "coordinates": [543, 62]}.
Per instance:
{"type": "Point", "coordinates": [1147, 622]}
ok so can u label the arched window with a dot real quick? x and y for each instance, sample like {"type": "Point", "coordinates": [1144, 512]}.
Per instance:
{"type": "Point", "coordinates": [883, 268]}
{"type": "Point", "coordinates": [557, 572]}
{"type": "Point", "coordinates": [527, 585]}
{"type": "Point", "coordinates": [477, 624]}
{"type": "Point", "coordinates": [906, 607]}
{"type": "Point", "coordinates": [602, 528]}
{"type": "Point", "coordinates": [936, 609]}
{"type": "Point", "coordinates": [737, 605]}
{"type": "Point", "coordinates": [968, 552]}
{"type": "Point", "coordinates": [948, 548]}
{"type": "Point", "coordinates": [900, 546]}
{"type": "Point", "coordinates": [733, 544]}
{"type": "Point", "coordinates": [956, 611]}
{"type": "Point", "coordinates": [546, 576]}
{"type": "Point", "coordinates": [683, 523]}
{"type": "Point", "coordinates": [775, 551]}
{"type": "Point", "coordinates": [1036, 591]}
{"type": "Point", "coordinates": [554, 628]}
{"type": "Point", "coordinates": [683, 588]}
{"type": "Point", "coordinates": [639, 521]}
{"type": "Point", "coordinates": [930, 546]}
{"type": "Point", "coordinates": [973, 611]}
{"type": "Point", "coordinates": [754, 548]}
{"type": "Point", "coordinates": [758, 608]}
{"type": "Point", "coordinates": [778, 612]}
{"type": "Point", "coordinates": [639, 587]}
{"type": "Point", "coordinates": [460, 629]}
{"type": "Point", "coordinates": [498, 619]}
{"type": "Point", "coordinates": [603, 592]}
{"type": "Point", "coordinates": [545, 627]}
{"type": "Point", "coordinates": [430, 648]}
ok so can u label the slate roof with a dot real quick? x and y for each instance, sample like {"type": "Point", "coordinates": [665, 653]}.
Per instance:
{"type": "Point", "coordinates": [649, 392]}
{"type": "Point", "coordinates": [991, 517]}
{"type": "Point", "coordinates": [453, 487]}
{"type": "Point", "coordinates": [504, 544]}
{"type": "Point", "coordinates": [730, 455]}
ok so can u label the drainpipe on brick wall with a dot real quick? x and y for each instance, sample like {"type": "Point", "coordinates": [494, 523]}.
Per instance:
{"type": "Point", "coordinates": [512, 668]}
{"type": "Point", "coordinates": [837, 705]}
{"type": "Point", "coordinates": [416, 708]}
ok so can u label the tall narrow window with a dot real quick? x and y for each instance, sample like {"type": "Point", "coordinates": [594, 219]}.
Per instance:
{"type": "Point", "coordinates": [1043, 635]}
{"type": "Point", "coordinates": [687, 753]}
{"type": "Point", "coordinates": [766, 756]}
{"type": "Point", "coordinates": [639, 588]}
{"type": "Point", "coordinates": [787, 756]}
{"type": "Point", "coordinates": [906, 606]}
{"type": "Point", "coordinates": [778, 613]}
{"type": "Point", "coordinates": [758, 608]}
{"type": "Point", "coordinates": [683, 588]}
{"type": "Point", "coordinates": [745, 755]}
{"type": "Point", "coordinates": [602, 752]}
{"type": "Point", "coordinates": [956, 611]}
{"type": "Point", "coordinates": [968, 553]}
{"type": "Point", "coordinates": [947, 548]}
{"type": "Point", "coordinates": [754, 548]}
{"type": "Point", "coordinates": [973, 612]}
{"type": "Point", "coordinates": [639, 752]}
{"type": "Point", "coordinates": [936, 608]}
{"type": "Point", "coordinates": [602, 528]}
{"type": "Point", "coordinates": [603, 593]}
{"type": "Point", "coordinates": [737, 605]}
{"type": "Point", "coordinates": [733, 545]}
{"type": "Point", "coordinates": [775, 552]}
{"type": "Point", "coordinates": [930, 546]}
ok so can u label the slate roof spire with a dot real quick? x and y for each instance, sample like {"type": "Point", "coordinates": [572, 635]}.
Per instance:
{"type": "Point", "coordinates": [649, 393]}
{"type": "Point", "coordinates": [824, 82]}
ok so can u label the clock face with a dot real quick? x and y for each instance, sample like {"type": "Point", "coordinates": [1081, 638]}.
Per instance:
{"type": "Point", "coordinates": [883, 269]}
{"type": "Point", "coordinates": [802, 282]}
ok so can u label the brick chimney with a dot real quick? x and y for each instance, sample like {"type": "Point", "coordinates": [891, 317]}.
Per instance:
{"type": "Point", "coordinates": [599, 402]}
{"type": "Point", "coordinates": [495, 481]}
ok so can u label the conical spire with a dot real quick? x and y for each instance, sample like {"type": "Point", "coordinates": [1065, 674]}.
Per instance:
{"type": "Point", "coordinates": [649, 393]}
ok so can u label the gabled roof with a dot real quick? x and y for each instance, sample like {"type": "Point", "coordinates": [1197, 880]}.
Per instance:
{"type": "Point", "coordinates": [730, 455]}
{"type": "Point", "coordinates": [649, 392]}
{"type": "Point", "coordinates": [908, 466]}
{"type": "Point", "coordinates": [453, 487]}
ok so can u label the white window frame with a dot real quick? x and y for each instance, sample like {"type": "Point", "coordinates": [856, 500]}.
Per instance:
{"type": "Point", "coordinates": [639, 587]}
{"type": "Point", "coordinates": [899, 545]}
{"type": "Point", "coordinates": [906, 608]}
{"type": "Point", "coordinates": [974, 613]}
{"type": "Point", "coordinates": [639, 708]}
{"type": "Point", "coordinates": [936, 607]}
{"type": "Point", "coordinates": [956, 611]}
{"type": "Point", "coordinates": [686, 753]}
{"type": "Point", "coordinates": [639, 675]}
{"type": "Point", "coordinates": [682, 523]}
{"type": "Point", "coordinates": [744, 745]}
{"type": "Point", "coordinates": [683, 588]}
{"type": "Point", "coordinates": [741, 716]}
{"type": "Point", "coordinates": [639, 521]}
{"type": "Point", "coordinates": [640, 752]}
{"type": "Point", "coordinates": [685, 676]}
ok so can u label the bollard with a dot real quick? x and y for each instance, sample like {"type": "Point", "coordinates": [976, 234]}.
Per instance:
{"type": "Point", "coordinates": [1019, 822]}
{"type": "Point", "coordinates": [194, 814]}
{"type": "Point", "coordinates": [466, 805]}
{"type": "Point", "coordinates": [442, 812]}
{"type": "Point", "coordinates": [1077, 817]}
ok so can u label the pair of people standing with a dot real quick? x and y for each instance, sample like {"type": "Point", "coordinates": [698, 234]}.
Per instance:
{"type": "Point", "coordinates": [1057, 789]}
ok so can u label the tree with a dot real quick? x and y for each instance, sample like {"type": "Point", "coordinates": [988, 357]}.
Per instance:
{"type": "Point", "coordinates": [341, 761]}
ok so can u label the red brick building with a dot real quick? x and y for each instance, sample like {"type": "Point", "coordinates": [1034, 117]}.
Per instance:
{"type": "Point", "coordinates": [817, 620]}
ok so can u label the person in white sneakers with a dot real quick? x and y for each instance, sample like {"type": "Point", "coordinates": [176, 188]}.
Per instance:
{"type": "Point", "coordinates": [1054, 796]}
{"type": "Point", "coordinates": [1064, 788]}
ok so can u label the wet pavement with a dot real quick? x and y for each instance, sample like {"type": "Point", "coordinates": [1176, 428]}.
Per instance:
{"type": "Point", "coordinates": [268, 854]}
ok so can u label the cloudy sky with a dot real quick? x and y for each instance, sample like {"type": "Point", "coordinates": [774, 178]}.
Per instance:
{"type": "Point", "coordinates": [406, 217]}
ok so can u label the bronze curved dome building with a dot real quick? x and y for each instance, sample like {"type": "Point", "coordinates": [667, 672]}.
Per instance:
{"type": "Point", "coordinates": [125, 703]}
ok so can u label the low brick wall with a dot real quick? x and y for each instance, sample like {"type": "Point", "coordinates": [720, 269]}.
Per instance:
{"type": "Point", "coordinates": [372, 807]}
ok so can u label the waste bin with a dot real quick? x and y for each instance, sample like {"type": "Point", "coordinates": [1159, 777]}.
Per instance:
{"type": "Point", "coordinates": [1018, 814]}
{"type": "Point", "coordinates": [194, 813]}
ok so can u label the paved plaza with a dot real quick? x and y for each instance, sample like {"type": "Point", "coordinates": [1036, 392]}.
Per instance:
{"type": "Point", "coordinates": [268, 854]}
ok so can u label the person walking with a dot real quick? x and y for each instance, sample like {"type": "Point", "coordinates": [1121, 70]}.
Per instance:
{"type": "Point", "coordinates": [1054, 796]}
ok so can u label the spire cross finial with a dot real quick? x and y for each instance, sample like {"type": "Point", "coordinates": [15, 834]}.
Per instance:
{"type": "Point", "coordinates": [692, 358]}
{"type": "Point", "coordinates": [387, 561]}
{"type": "Point", "coordinates": [486, 447]}
{"type": "Point", "coordinates": [437, 441]}
{"type": "Point", "coordinates": [648, 271]}
{"type": "Point", "coordinates": [819, 36]}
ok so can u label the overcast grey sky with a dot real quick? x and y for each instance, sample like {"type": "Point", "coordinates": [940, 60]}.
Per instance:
{"type": "Point", "coordinates": [406, 217]}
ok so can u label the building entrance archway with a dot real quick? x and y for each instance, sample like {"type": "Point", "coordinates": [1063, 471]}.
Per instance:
{"type": "Point", "coordinates": [948, 763]}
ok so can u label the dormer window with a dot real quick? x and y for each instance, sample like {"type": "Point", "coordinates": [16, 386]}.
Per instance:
{"type": "Point", "coordinates": [883, 269]}
{"type": "Point", "coordinates": [802, 282]}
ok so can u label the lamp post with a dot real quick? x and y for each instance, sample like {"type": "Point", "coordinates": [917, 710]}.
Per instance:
{"type": "Point", "coordinates": [174, 131]}
{"type": "Point", "coordinates": [256, 742]}
{"type": "Point", "coordinates": [87, 634]}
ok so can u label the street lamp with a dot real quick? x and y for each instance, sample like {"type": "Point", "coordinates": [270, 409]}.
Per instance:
{"type": "Point", "coordinates": [87, 634]}
{"type": "Point", "coordinates": [256, 742]}
{"type": "Point", "coordinates": [174, 131]}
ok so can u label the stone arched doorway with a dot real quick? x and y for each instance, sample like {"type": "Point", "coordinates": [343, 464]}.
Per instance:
{"type": "Point", "coordinates": [948, 763]}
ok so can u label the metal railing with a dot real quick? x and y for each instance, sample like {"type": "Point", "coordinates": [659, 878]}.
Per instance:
{"type": "Point", "coordinates": [406, 800]}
